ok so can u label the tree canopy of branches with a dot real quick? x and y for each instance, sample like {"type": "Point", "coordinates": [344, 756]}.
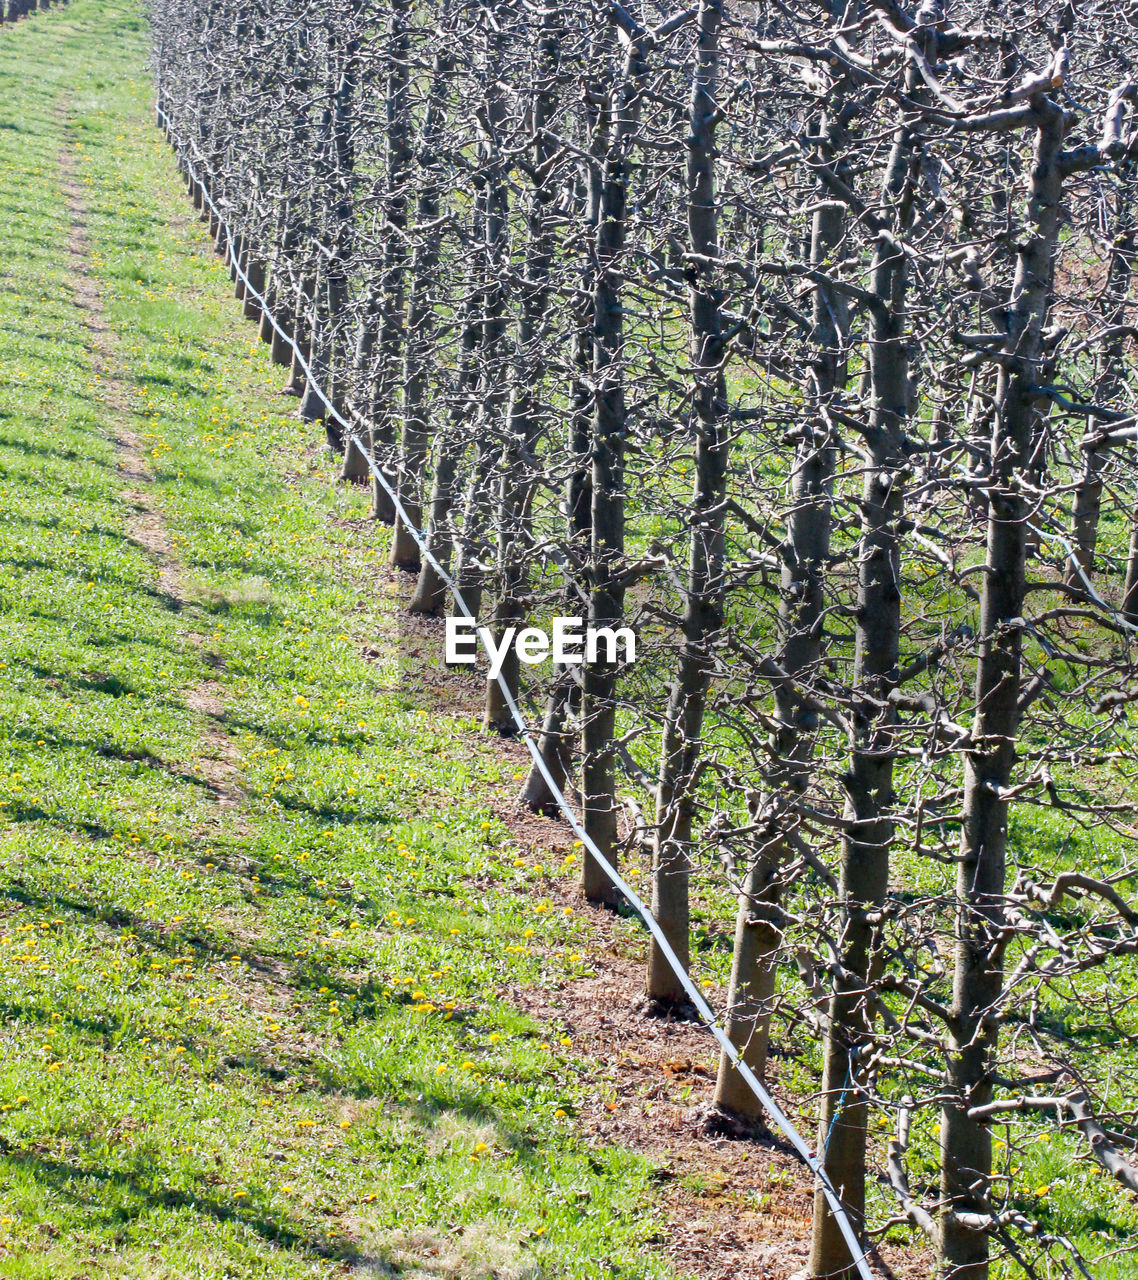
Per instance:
{"type": "Point", "coordinates": [798, 338]}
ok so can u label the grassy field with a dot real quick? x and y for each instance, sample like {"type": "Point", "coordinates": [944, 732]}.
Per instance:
{"type": "Point", "coordinates": [252, 918]}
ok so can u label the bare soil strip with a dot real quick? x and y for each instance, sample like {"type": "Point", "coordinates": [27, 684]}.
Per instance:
{"type": "Point", "coordinates": [216, 759]}
{"type": "Point", "coordinates": [266, 989]}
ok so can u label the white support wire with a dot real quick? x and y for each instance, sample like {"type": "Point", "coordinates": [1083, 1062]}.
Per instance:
{"type": "Point", "coordinates": [780, 1118]}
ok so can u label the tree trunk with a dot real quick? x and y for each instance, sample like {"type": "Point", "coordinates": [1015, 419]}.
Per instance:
{"type": "Point", "coordinates": [421, 315]}
{"type": "Point", "coordinates": [302, 339]}
{"type": "Point", "coordinates": [1111, 386]}
{"type": "Point", "coordinates": [606, 549]}
{"type": "Point", "coordinates": [564, 699]}
{"type": "Point", "coordinates": [1130, 588]}
{"type": "Point", "coordinates": [473, 547]}
{"type": "Point", "coordinates": [868, 837]}
{"type": "Point", "coordinates": [554, 744]}
{"type": "Point", "coordinates": [255, 270]}
{"type": "Point", "coordinates": [430, 590]}
{"type": "Point", "coordinates": [355, 468]}
{"type": "Point", "coordinates": [274, 293]}
{"type": "Point", "coordinates": [703, 603]}
{"type": "Point", "coordinates": [758, 935]}
{"type": "Point", "coordinates": [523, 419]}
{"type": "Point", "coordinates": [966, 1145]}
{"type": "Point", "coordinates": [473, 544]}
{"type": "Point", "coordinates": [313, 405]}
{"type": "Point", "coordinates": [392, 319]}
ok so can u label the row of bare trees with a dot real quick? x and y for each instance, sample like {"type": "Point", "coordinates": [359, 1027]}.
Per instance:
{"type": "Point", "coordinates": [11, 10]}
{"type": "Point", "coordinates": [799, 338]}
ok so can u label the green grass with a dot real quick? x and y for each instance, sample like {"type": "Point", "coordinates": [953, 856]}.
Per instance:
{"type": "Point", "coordinates": [253, 916]}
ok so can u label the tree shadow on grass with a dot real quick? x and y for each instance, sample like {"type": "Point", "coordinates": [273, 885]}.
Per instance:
{"type": "Point", "coordinates": [205, 944]}
{"type": "Point", "coordinates": [104, 749]}
{"type": "Point", "coordinates": [16, 812]}
{"type": "Point", "coordinates": [70, 456]}
{"type": "Point", "coordinates": [55, 524]}
{"type": "Point", "coordinates": [104, 1027]}
{"type": "Point", "coordinates": [107, 748]}
{"type": "Point", "coordinates": [278, 736]}
{"type": "Point", "coordinates": [68, 1179]}
{"type": "Point", "coordinates": [318, 1074]}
